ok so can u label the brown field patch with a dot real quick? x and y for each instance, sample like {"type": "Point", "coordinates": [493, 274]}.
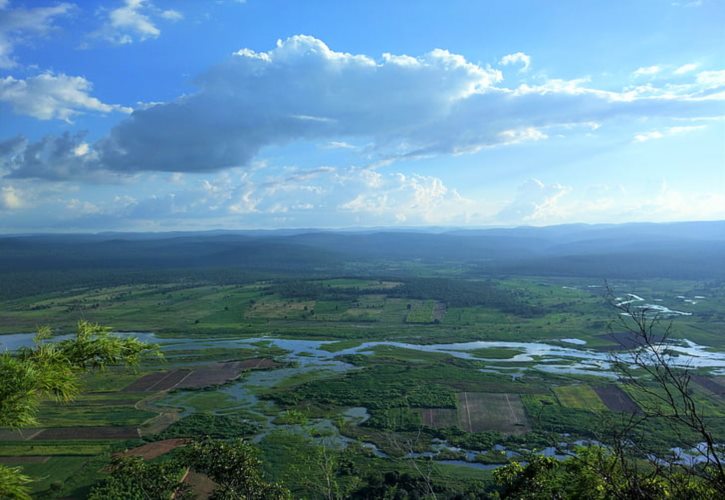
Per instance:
{"type": "Point", "coordinates": [109, 432]}
{"type": "Point", "coordinates": [18, 434]}
{"type": "Point", "coordinates": [23, 460]}
{"type": "Point", "coordinates": [143, 383]}
{"type": "Point", "coordinates": [149, 451]}
{"type": "Point", "coordinates": [258, 364]}
{"type": "Point", "coordinates": [482, 411]}
{"type": "Point", "coordinates": [439, 311]}
{"type": "Point", "coordinates": [624, 341]}
{"type": "Point", "coordinates": [171, 380]}
{"type": "Point", "coordinates": [221, 373]}
{"type": "Point", "coordinates": [204, 376]}
{"type": "Point", "coordinates": [716, 385]}
{"type": "Point", "coordinates": [439, 418]}
{"type": "Point", "coordinates": [616, 399]}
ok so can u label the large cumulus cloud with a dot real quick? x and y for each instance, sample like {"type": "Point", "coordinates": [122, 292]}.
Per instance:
{"type": "Point", "coordinates": [302, 90]}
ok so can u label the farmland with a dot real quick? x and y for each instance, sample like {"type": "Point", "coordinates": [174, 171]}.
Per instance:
{"type": "Point", "coordinates": [375, 367]}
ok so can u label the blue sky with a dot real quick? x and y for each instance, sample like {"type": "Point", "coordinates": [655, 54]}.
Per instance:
{"type": "Point", "coordinates": [172, 115]}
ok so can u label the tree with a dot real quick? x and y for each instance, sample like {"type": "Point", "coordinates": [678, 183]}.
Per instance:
{"type": "Point", "coordinates": [234, 467]}
{"type": "Point", "coordinates": [663, 392]}
{"type": "Point", "coordinates": [131, 478]}
{"type": "Point", "coordinates": [626, 467]}
{"type": "Point", "coordinates": [52, 370]}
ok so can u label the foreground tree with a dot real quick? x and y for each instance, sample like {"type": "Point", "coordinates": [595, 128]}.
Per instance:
{"type": "Point", "coordinates": [233, 466]}
{"type": "Point", "coordinates": [595, 473]}
{"type": "Point", "coordinates": [662, 390]}
{"type": "Point", "coordinates": [627, 467]}
{"type": "Point", "coordinates": [53, 370]}
{"type": "Point", "coordinates": [131, 478]}
{"type": "Point", "coordinates": [236, 469]}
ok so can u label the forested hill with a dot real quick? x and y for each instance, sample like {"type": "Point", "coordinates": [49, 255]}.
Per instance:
{"type": "Point", "coordinates": [676, 250]}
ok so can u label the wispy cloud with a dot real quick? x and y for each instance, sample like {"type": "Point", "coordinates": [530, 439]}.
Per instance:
{"type": "Point", "coordinates": [685, 68]}
{"type": "Point", "coordinates": [667, 132]}
{"type": "Point", "coordinates": [20, 24]}
{"type": "Point", "coordinates": [647, 71]}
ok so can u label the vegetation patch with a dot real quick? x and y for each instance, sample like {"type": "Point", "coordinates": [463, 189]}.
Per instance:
{"type": "Point", "coordinates": [496, 352]}
{"type": "Point", "coordinates": [205, 424]}
{"type": "Point", "coordinates": [50, 448]}
{"type": "Point", "coordinates": [420, 312]}
{"type": "Point", "coordinates": [581, 397]}
{"type": "Point", "coordinates": [439, 418]}
{"type": "Point", "coordinates": [479, 411]}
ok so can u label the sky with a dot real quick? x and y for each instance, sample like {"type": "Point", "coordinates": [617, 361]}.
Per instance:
{"type": "Point", "coordinates": [141, 115]}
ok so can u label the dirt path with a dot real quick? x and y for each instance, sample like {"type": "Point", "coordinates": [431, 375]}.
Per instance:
{"type": "Point", "coordinates": [149, 451]}
{"type": "Point", "coordinates": [468, 412]}
{"type": "Point", "coordinates": [511, 410]}
{"type": "Point", "coordinates": [158, 423]}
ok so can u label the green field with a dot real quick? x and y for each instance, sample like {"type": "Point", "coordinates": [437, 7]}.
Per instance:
{"type": "Point", "coordinates": [581, 397]}
{"type": "Point", "coordinates": [403, 399]}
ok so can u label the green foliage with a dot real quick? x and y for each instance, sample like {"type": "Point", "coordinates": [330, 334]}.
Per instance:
{"type": "Point", "coordinates": [206, 424]}
{"type": "Point", "coordinates": [465, 293]}
{"type": "Point", "coordinates": [291, 417]}
{"type": "Point", "coordinates": [308, 469]}
{"type": "Point", "coordinates": [52, 369]}
{"type": "Point", "coordinates": [381, 386]}
{"type": "Point", "coordinates": [94, 347]}
{"type": "Point", "coordinates": [131, 478]}
{"type": "Point", "coordinates": [395, 485]}
{"type": "Point", "coordinates": [394, 419]}
{"type": "Point", "coordinates": [234, 467]}
{"type": "Point", "coordinates": [13, 484]}
{"type": "Point", "coordinates": [470, 440]}
{"type": "Point", "coordinates": [597, 474]}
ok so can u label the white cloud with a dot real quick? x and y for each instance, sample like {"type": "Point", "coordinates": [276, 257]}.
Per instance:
{"type": "Point", "coordinates": [535, 202]}
{"type": "Point", "coordinates": [411, 199]}
{"type": "Point", "coordinates": [339, 145]}
{"type": "Point", "coordinates": [527, 134]}
{"type": "Point", "coordinates": [647, 71]}
{"type": "Point", "coordinates": [82, 207]}
{"type": "Point", "coordinates": [21, 24]}
{"type": "Point", "coordinates": [648, 136]}
{"type": "Point", "coordinates": [685, 68]}
{"type": "Point", "coordinates": [668, 132]}
{"type": "Point", "coordinates": [82, 149]}
{"type": "Point", "coordinates": [172, 15]}
{"type": "Point", "coordinates": [691, 3]}
{"type": "Point", "coordinates": [711, 79]}
{"type": "Point", "coordinates": [10, 198]}
{"type": "Point", "coordinates": [48, 96]}
{"type": "Point", "coordinates": [398, 106]}
{"type": "Point", "coordinates": [518, 58]}
{"type": "Point", "coordinates": [134, 21]}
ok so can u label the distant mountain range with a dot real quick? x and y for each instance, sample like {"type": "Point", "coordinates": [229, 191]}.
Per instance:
{"type": "Point", "coordinates": [693, 250]}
